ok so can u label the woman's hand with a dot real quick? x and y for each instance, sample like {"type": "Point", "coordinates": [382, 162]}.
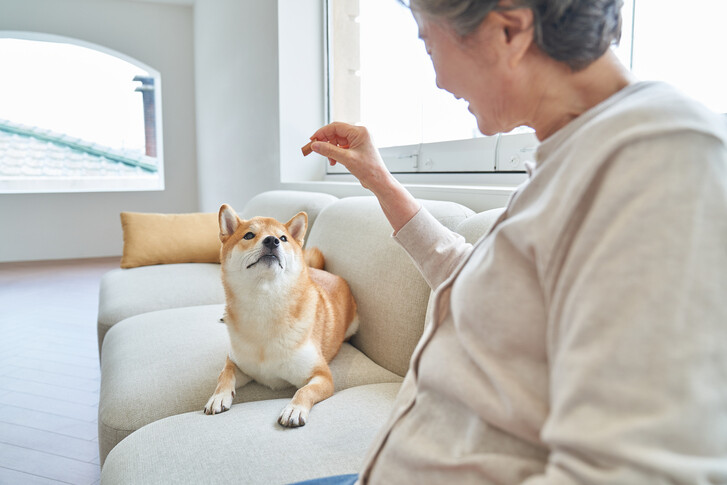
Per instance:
{"type": "Point", "coordinates": [352, 147]}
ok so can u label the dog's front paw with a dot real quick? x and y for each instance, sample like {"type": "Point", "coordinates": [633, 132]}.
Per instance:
{"type": "Point", "coordinates": [293, 416]}
{"type": "Point", "coordinates": [219, 403]}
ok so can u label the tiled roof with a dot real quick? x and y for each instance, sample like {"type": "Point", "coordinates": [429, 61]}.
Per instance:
{"type": "Point", "coordinates": [28, 151]}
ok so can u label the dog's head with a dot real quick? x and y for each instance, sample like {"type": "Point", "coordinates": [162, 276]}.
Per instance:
{"type": "Point", "coordinates": [261, 246]}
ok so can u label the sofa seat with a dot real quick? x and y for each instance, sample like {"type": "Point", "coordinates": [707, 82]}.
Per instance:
{"type": "Point", "coordinates": [166, 362]}
{"type": "Point", "coordinates": [125, 293]}
{"type": "Point", "coordinates": [244, 445]}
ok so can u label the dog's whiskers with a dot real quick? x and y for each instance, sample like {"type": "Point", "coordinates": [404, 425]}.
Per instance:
{"type": "Point", "coordinates": [251, 258]}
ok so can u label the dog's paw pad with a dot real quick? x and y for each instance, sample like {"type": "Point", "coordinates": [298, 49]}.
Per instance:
{"type": "Point", "coordinates": [219, 403]}
{"type": "Point", "coordinates": [293, 416]}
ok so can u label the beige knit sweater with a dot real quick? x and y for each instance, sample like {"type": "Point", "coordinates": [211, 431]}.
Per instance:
{"type": "Point", "coordinates": [584, 339]}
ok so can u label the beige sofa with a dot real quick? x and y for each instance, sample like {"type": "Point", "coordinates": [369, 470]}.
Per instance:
{"type": "Point", "coordinates": [162, 347]}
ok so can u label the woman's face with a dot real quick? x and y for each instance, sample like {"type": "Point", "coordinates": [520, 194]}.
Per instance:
{"type": "Point", "coordinates": [469, 69]}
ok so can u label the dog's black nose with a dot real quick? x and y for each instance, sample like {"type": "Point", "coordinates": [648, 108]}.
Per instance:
{"type": "Point", "coordinates": [271, 242]}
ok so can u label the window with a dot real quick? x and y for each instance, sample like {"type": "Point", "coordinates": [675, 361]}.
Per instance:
{"type": "Point", "coordinates": [76, 117]}
{"type": "Point", "coordinates": [679, 43]}
{"type": "Point", "coordinates": [380, 76]}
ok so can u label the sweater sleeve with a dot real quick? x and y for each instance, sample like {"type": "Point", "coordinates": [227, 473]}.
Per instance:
{"type": "Point", "coordinates": [435, 250]}
{"type": "Point", "coordinates": [638, 339]}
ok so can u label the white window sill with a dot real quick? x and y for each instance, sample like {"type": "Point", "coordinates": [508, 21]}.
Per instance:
{"type": "Point", "coordinates": [37, 185]}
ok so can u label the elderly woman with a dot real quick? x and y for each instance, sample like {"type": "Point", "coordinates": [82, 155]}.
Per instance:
{"type": "Point", "coordinates": [584, 339]}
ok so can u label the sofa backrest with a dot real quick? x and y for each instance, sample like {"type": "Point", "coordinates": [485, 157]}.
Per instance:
{"type": "Point", "coordinates": [391, 295]}
{"type": "Point", "coordinates": [284, 204]}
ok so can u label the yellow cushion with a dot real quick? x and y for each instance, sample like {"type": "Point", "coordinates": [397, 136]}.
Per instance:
{"type": "Point", "coordinates": [169, 238]}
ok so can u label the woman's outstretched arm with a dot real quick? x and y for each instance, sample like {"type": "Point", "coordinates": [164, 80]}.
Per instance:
{"type": "Point", "coordinates": [352, 147]}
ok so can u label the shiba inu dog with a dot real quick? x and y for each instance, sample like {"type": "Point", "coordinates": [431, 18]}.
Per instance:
{"type": "Point", "coordinates": [286, 317]}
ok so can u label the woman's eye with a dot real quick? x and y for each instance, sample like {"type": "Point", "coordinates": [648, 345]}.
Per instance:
{"type": "Point", "coordinates": [249, 235]}
{"type": "Point", "coordinates": [283, 238]}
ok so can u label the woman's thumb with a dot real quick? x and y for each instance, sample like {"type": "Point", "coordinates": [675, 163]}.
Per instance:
{"type": "Point", "coordinates": [328, 150]}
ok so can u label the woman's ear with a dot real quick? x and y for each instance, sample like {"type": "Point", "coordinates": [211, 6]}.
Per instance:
{"type": "Point", "coordinates": [516, 27]}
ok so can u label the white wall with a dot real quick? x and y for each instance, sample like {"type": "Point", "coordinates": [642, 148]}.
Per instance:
{"type": "Point", "coordinates": [58, 226]}
{"type": "Point", "coordinates": [260, 95]}
{"type": "Point", "coordinates": [302, 86]}
{"type": "Point", "coordinates": [238, 124]}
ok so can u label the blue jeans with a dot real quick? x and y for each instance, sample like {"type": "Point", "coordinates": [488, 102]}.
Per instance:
{"type": "Point", "coordinates": [337, 480]}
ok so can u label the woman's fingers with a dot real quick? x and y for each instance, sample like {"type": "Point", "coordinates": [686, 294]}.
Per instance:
{"type": "Point", "coordinates": [329, 150]}
{"type": "Point", "coordinates": [352, 147]}
{"type": "Point", "coordinates": [338, 133]}
{"type": "Point", "coordinates": [333, 140]}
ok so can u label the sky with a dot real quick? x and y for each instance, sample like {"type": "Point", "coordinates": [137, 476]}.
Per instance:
{"type": "Point", "coordinates": [78, 91]}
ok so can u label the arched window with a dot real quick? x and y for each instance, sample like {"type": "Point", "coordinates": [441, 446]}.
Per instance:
{"type": "Point", "coordinates": [76, 117]}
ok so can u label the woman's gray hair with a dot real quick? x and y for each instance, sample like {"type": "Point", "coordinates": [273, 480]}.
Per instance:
{"type": "Point", "coordinates": [576, 32]}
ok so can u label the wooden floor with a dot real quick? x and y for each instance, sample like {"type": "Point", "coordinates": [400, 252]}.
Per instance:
{"type": "Point", "coordinates": [49, 371]}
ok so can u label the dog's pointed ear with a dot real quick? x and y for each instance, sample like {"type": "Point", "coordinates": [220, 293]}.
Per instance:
{"type": "Point", "coordinates": [229, 222]}
{"type": "Point", "coordinates": [297, 226]}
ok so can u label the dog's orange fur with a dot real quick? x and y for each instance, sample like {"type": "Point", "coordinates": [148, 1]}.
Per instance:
{"type": "Point", "coordinates": [286, 317]}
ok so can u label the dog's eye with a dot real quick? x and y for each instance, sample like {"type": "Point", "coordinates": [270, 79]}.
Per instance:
{"type": "Point", "coordinates": [283, 238]}
{"type": "Point", "coordinates": [249, 235]}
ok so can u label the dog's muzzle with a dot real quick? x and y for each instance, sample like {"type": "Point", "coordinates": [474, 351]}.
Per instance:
{"type": "Point", "coordinates": [270, 253]}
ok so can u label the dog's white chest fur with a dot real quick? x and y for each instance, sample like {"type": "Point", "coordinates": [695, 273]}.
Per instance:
{"type": "Point", "coordinates": [274, 364]}
{"type": "Point", "coordinates": [265, 344]}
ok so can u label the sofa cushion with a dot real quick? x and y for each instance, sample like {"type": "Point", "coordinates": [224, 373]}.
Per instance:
{"type": "Point", "coordinates": [169, 238]}
{"type": "Point", "coordinates": [127, 292]}
{"type": "Point", "coordinates": [164, 363]}
{"type": "Point", "coordinates": [243, 445]}
{"type": "Point", "coordinates": [391, 294]}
